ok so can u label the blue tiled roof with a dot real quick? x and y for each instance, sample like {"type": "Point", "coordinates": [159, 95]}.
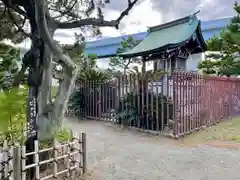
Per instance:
{"type": "Point", "coordinates": [108, 46]}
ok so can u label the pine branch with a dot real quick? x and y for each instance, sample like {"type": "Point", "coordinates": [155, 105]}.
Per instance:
{"type": "Point", "coordinates": [20, 28]}
{"type": "Point", "coordinates": [96, 21]}
{"type": "Point", "coordinates": [13, 4]}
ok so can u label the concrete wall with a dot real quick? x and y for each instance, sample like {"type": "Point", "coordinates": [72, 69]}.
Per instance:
{"type": "Point", "coordinates": [193, 61]}
{"type": "Point", "coordinates": [191, 65]}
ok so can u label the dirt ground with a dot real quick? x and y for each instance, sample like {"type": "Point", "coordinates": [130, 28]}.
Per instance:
{"type": "Point", "coordinates": [115, 153]}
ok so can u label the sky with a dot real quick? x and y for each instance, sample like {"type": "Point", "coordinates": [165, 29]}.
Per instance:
{"type": "Point", "coordinates": [148, 13]}
{"type": "Point", "coordinates": [154, 12]}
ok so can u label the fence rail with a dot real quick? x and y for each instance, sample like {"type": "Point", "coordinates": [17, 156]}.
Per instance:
{"type": "Point", "coordinates": [176, 103]}
{"type": "Point", "coordinates": [64, 161]}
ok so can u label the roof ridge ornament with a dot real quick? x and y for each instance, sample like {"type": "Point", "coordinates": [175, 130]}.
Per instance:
{"type": "Point", "coordinates": [193, 17]}
{"type": "Point", "coordinates": [169, 36]}
{"type": "Point", "coordinates": [196, 13]}
{"type": "Point", "coordinates": [175, 22]}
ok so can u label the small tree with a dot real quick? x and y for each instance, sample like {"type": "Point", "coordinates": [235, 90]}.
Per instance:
{"type": "Point", "coordinates": [226, 62]}
{"type": "Point", "coordinates": [117, 62]}
{"type": "Point", "coordinates": [88, 69]}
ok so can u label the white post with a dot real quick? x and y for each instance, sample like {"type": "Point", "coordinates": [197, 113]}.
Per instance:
{"type": "Point", "coordinates": [55, 158]}
{"type": "Point", "coordinates": [64, 152]}
{"type": "Point", "coordinates": [23, 162]}
{"type": "Point", "coordinates": [36, 158]}
{"type": "Point", "coordinates": [1, 160]}
{"type": "Point", "coordinates": [5, 159]}
{"type": "Point", "coordinates": [68, 159]}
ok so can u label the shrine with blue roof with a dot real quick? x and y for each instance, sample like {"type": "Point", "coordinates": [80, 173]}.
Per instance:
{"type": "Point", "coordinates": [107, 47]}
{"type": "Point", "coordinates": [183, 39]}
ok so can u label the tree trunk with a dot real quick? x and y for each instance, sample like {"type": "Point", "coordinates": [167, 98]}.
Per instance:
{"type": "Point", "coordinates": [45, 124]}
{"type": "Point", "coordinates": [39, 60]}
{"type": "Point", "coordinates": [33, 60]}
{"type": "Point", "coordinates": [70, 69]}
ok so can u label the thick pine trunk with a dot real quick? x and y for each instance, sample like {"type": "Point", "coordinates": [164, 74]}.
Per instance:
{"type": "Point", "coordinates": [51, 115]}
{"type": "Point", "coordinates": [45, 123]}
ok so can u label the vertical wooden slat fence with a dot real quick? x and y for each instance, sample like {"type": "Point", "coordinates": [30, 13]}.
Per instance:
{"type": "Point", "coordinates": [176, 103]}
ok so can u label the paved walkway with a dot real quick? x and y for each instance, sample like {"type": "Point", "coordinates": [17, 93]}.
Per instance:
{"type": "Point", "coordinates": [116, 154]}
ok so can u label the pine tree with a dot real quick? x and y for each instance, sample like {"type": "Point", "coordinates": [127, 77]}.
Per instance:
{"type": "Point", "coordinates": [88, 65]}
{"type": "Point", "coordinates": [227, 61]}
{"type": "Point", "coordinates": [10, 24]}
{"type": "Point", "coordinates": [9, 66]}
{"type": "Point", "coordinates": [118, 63]}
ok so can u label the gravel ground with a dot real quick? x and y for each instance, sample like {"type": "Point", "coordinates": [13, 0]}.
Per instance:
{"type": "Point", "coordinates": [117, 154]}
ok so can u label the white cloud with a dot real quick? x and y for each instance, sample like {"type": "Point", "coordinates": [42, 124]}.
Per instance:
{"type": "Point", "coordinates": [139, 18]}
{"type": "Point", "coordinates": [209, 9]}
{"type": "Point", "coordinates": [111, 32]}
{"type": "Point", "coordinates": [153, 12]}
{"type": "Point", "coordinates": [150, 13]}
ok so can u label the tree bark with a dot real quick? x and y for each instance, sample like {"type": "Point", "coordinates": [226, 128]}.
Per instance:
{"type": "Point", "coordinates": [44, 104]}
{"type": "Point", "coordinates": [52, 116]}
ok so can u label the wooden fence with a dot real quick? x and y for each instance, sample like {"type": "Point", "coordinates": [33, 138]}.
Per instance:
{"type": "Point", "coordinates": [175, 104]}
{"type": "Point", "coordinates": [64, 161]}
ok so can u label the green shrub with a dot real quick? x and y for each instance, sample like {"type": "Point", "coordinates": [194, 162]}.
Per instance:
{"type": "Point", "coordinates": [76, 101]}
{"type": "Point", "coordinates": [129, 111]}
{"type": "Point", "coordinates": [13, 115]}
{"type": "Point", "coordinates": [13, 118]}
{"type": "Point", "coordinates": [62, 135]}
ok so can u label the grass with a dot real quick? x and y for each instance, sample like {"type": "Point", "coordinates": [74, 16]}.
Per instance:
{"type": "Point", "coordinates": [225, 131]}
